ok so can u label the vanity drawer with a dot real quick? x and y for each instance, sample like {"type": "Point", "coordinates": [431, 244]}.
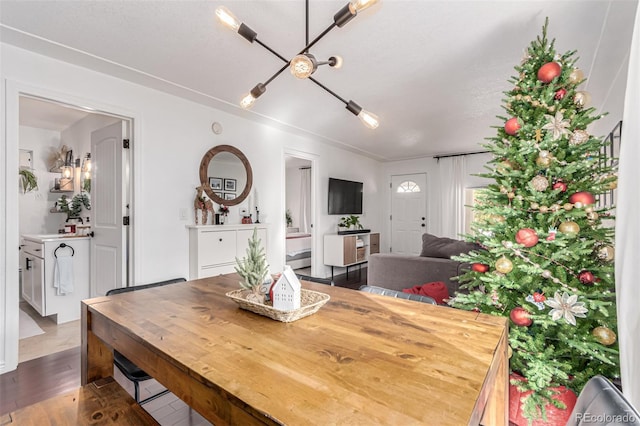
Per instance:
{"type": "Point", "coordinates": [33, 248]}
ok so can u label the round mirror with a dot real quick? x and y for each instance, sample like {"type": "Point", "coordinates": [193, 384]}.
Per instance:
{"type": "Point", "coordinates": [226, 175]}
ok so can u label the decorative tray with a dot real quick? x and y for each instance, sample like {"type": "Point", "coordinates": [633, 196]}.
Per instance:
{"type": "Point", "coordinates": [310, 302]}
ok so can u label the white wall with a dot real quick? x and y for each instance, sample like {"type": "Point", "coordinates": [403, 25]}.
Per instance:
{"type": "Point", "coordinates": [34, 216]}
{"type": "Point", "coordinates": [170, 137]}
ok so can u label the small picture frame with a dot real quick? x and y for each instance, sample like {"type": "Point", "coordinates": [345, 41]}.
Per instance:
{"type": "Point", "coordinates": [219, 194]}
{"type": "Point", "coordinates": [230, 185]}
{"type": "Point", "coordinates": [229, 196]}
{"type": "Point", "coordinates": [215, 183]}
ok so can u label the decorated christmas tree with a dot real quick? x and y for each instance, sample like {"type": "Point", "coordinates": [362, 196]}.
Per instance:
{"type": "Point", "coordinates": [547, 258]}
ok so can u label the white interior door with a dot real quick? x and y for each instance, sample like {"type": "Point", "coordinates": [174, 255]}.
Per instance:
{"type": "Point", "coordinates": [408, 213]}
{"type": "Point", "coordinates": [109, 208]}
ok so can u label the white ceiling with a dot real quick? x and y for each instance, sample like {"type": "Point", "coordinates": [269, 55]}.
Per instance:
{"type": "Point", "coordinates": [433, 71]}
{"type": "Point", "coordinates": [48, 115]}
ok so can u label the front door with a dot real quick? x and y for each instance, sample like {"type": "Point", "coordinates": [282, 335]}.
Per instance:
{"type": "Point", "coordinates": [408, 213]}
{"type": "Point", "coordinates": [109, 263]}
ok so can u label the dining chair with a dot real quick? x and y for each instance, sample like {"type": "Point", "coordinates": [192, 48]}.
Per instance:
{"type": "Point", "coordinates": [398, 294]}
{"type": "Point", "coordinates": [601, 403]}
{"type": "Point", "coordinates": [128, 368]}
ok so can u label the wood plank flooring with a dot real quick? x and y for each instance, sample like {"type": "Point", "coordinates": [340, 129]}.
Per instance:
{"type": "Point", "coordinates": [55, 373]}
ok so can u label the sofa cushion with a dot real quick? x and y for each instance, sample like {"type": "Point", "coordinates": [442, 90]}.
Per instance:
{"type": "Point", "coordinates": [436, 290]}
{"type": "Point", "coordinates": [443, 247]}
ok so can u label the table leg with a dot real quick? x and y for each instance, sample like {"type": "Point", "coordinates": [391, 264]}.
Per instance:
{"type": "Point", "coordinates": [96, 360]}
{"type": "Point", "coordinates": [497, 408]}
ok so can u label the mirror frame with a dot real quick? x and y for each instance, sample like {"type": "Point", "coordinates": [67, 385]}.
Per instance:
{"type": "Point", "coordinates": [204, 174]}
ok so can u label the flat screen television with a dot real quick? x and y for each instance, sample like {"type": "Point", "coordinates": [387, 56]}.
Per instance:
{"type": "Point", "coordinates": [345, 196]}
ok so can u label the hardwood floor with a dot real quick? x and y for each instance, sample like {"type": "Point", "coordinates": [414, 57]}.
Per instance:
{"type": "Point", "coordinates": [56, 337]}
{"type": "Point", "coordinates": [55, 373]}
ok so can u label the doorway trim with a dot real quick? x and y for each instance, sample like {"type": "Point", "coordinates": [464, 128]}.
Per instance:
{"type": "Point", "coordinates": [9, 234]}
{"type": "Point", "coordinates": [316, 261]}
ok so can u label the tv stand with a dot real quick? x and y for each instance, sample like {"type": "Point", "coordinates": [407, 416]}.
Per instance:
{"type": "Point", "coordinates": [354, 231]}
{"type": "Point", "coordinates": [343, 250]}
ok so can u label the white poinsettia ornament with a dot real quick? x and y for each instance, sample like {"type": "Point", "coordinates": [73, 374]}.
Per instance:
{"type": "Point", "coordinates": [566, 306]}
{"type": "Point", "coordinates": [557, 124]}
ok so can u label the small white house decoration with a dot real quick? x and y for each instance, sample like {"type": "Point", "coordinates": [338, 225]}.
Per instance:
{"type": "Point", "coordinates": [287, 291]}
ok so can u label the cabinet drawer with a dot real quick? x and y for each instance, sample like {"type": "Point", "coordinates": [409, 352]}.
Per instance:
{"type": "Point", "coordinates": [216, 247]}
{"type": "Point", "coordinates": [33, 248]}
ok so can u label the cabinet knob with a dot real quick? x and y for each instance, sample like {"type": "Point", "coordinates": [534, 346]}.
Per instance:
{"type": "Point", "coordinates": [38, 250]}
{"type": "Point", "coordinates": [423, 225]}
{"type": "Point", "coordinates": [220, 239]}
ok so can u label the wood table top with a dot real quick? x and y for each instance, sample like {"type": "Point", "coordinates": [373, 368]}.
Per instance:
{"type": "Point", "coordinates": [361, 359]}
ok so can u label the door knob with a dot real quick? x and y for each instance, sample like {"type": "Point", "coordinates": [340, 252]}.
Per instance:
{"type": "Point", "coordinates": [423, 225]}
{"type": "Point", "coordinates": [423, 218]}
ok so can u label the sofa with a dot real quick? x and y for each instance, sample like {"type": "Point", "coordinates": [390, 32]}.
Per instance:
{"type": "Point", "coordinates": [398, 272]}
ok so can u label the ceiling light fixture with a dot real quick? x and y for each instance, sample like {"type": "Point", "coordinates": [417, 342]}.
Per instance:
{"type": "Point", "coordinates": [304, 64]}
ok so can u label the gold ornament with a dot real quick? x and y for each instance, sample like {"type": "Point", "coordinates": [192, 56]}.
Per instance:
{"type": "Point", "coordinates": [511, 195]}
{"type": "Point", "coordinates": [569, 227]}
{"type": "Point", "coordinates": [613, 184]}
{"type": "Point", "coordinates": [538, 135]}
{"type": "Point", "coordinates": [543, 162]}
{"type": "Point", "coordinates": [592, 216]}
{"type": "Point", "coordinates": [509, 351]}
{"type": "Point", "coordinates": [535, 206]}
{"type": "Point", "coordinates": [540, 183]}
{"type": "Point", "coordinates": [606, 253]}
{"type": "Point", "coordinates": [578, 137]}
{"type": "Point", "coordinates": [568, 206]}
{"type": "Point", "coordinates": [576, 76]}
{"type": "Point", "coordinates": [544, 209]}
{"type": "Point", "coordinates": [504, 265]}
{"type": "Point", "coordinates": [582, 99]}
{"type": "Point", "coordinates": [604, 335]}
{"type": "Point", "coordinates": [505, 166]}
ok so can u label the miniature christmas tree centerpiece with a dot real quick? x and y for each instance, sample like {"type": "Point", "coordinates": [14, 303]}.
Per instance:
{"type": "Point", "coordinates": [253, 269]}
{"type": "Point", "coordinates": [547, 262]}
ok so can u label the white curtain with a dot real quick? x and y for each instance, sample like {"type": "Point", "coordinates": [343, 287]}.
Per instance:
{"type": "Point", "coordinates": [628, 229]}
{"type": "Point", "coordinates": [452, 171]}
{"type": "Point", "coordinates": [305, 200]}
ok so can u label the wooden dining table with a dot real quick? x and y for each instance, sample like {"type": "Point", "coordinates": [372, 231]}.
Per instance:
{"type": "Point", "coordinates": [361, 359]}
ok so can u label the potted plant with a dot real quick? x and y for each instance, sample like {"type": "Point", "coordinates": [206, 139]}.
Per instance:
{"type": "Point", "coordinates": [288, 219]}
{"type": "Point", "coordinates": [351, 222]}
{"type": "Point", "coordinates": [253, 269]}
{"type": "Point", "coordinates": [29, 180]}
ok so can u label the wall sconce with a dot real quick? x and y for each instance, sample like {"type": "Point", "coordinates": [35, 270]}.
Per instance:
{"type": "Point", "coordinates": [86, 166]}
{"type": "Point", "coordinates": [67, 171]}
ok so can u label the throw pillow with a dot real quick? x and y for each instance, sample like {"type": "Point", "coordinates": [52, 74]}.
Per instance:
{"type": "Point", "coordinates": [443, 247]}
{"type": "Point", "coordinates": [436, 290]}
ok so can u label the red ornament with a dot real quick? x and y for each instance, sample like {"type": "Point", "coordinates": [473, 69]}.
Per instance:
{"type": "Point", "coordinates": [549, 71]}
{"type": "Point", "coordinates": [480, 267]}
{"type": "Point", "coordinates": [583, 197]}
{"type": "Point", "coordinates": [555, 416]}
{"type": "Point", "coordinates": [527, 237]}
{"type": "Point", "coordinates": [539, 297]}
{"type": "Point", "coordinates": [512, 126]}
{"type": "Point", "coordinates": [520, 316]}
{"type": "Point", "coordinates": [586, 277]}
{"type": "Point", "coordinates": [560, 185]}
{"type": "Point", "coordinates": [560, 94]}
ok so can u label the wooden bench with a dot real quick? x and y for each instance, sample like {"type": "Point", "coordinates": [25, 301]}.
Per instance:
{"type": "Point", "coordinates": [103, 402]}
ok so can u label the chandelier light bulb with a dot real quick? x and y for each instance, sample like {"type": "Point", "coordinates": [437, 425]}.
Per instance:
{"type": "Point", "coordinates": [227, 18]}
{"type": "Point", "coordinates": [359, 5]}
{"type": "Point", "coordinates": [302, 66]}
{"type": "Point", "coordinates": [368, 119]}
{"type": "Point", "coordinates": [247, 101]}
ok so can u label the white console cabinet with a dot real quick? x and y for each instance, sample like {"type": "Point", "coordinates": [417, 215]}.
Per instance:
{"type": "Point", "coordinates": [351, 249]}
{"type": "Point", "coordinates": [213, 248]}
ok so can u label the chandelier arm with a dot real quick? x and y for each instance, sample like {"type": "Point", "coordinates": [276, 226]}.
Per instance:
{"type": "Point", "coordinates": [276, 74]}
{"type": "Point", "coordinates": [329, 90]}
{"type": "Point", "coordinates": [317, 39]}
{"type": "Point", "coordinates": [272, 51]}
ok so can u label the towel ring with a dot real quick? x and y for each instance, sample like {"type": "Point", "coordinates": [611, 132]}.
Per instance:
{"type": "Point", "coordinates": [63, 245]}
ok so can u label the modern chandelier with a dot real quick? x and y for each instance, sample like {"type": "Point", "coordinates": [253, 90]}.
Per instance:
{"type": "Point", "coordinates": [304, 64]}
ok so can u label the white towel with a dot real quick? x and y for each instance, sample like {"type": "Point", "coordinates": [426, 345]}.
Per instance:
{"type": "Point", "coordinates": [63, 275]}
